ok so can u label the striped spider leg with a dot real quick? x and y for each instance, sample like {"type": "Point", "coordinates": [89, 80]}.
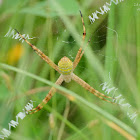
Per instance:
{"type": "Point", "coordinates": [65, 68]}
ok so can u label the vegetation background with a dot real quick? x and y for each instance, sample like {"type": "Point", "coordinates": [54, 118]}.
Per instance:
{"type": "Point", "coordinates": [73, 113]}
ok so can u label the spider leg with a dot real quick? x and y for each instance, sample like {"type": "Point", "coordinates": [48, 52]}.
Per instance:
{"type": "Point", "coordinates": [78, 56]}
{"type": "Point", "coordinates": [40, 53]}
{"type": "Point", "coordinates": [47, 98]}
{"type": "Point", "coordinates": [90, 89]}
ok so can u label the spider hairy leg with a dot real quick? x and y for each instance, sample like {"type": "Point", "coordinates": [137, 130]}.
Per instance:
{"type": "Point", "coordinates": [78, 56]}
{"type": "Point", "coordinates": [91, 89]}
{"type": "Point", "coordinates": [47, 98]}
{"type": "Point", "coordinates": [40, 53]}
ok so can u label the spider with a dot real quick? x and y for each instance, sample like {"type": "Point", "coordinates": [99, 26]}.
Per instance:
{"type": "Point", "coordinates": [65, 67]}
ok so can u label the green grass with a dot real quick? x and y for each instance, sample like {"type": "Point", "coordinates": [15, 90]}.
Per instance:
{"type": "Point", "coordinates": [114, 49]}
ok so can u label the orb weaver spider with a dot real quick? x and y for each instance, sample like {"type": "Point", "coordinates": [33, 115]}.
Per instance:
{"type": "Point", "coordinates": [65, 67]}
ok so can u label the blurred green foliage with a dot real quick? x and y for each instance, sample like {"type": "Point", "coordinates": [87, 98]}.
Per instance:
{"type": "Point", "coordinates": [114, 48]}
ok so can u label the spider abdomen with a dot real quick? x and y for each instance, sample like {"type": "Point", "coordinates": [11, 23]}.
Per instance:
{"type": "Point", "coordinates": [65, 66]}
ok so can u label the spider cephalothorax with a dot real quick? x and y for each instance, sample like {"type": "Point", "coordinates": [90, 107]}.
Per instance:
{"type": "Point", "coordinates": [65, 68]}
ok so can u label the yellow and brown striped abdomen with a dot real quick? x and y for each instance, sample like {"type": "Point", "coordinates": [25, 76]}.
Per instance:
{"type": "Point", "coordinates": [65, 66]}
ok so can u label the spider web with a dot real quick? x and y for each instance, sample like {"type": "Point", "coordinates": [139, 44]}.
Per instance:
{"type": "Point", "coordinates": [69, 48]}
